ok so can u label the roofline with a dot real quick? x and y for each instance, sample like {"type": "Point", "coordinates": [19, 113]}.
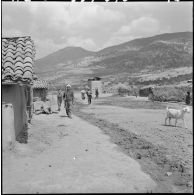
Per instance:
{"type": "Point", "coordinates": [40, 87]}
{"type": "Point", "coordinates": [14, 83]}
{"type": "Point", "coordinates": [14, 37]}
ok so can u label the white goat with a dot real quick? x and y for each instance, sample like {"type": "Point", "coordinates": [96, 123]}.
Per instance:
{"type": "Point", "coordinates": [176, 114]}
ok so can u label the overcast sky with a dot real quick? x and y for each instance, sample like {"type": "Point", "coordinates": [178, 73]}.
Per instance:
{"type": "Point", "coordinates": [92, 26]}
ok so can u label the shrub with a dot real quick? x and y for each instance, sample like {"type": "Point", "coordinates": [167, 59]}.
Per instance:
{"type": "Point", "coordinates": [122, 89]}
{"type": "Point", "coordinates": [171, 93]}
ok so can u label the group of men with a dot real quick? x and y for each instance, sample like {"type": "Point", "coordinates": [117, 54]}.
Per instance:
{"type": "Point", "coordinates": [68, 97]}
{"type": "Point", "coordinates": [89, 94]}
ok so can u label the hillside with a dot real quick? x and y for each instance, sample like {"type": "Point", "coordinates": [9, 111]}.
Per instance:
{"type": "Point", "coordinates": [164, 53]}
{"type": "Point", "coordinates": [60, 57]}
{"type": "Point", "coordinates": [136, 44]}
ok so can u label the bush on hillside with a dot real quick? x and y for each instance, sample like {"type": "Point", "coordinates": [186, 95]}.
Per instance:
{"type": "Point", "coordinates": [122, 89]}
{"type": "Point", "coordinates": [171, 93]}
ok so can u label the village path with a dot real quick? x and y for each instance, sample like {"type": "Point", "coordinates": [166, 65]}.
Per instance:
{"type": "Point", "coordinates": [70, 155]}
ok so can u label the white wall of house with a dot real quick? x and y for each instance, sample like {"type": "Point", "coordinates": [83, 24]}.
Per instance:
{"type": "Point", "coordinates": [94, 85]}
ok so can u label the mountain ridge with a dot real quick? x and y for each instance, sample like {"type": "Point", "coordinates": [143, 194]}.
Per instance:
{"type": "Point", "coordinates": [149, 54]}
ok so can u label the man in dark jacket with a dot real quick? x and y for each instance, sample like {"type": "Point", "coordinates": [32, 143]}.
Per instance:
{"type": "Point", "coordinates": [68, 100]}
{"type": "Point", "coordinates": [89, 96]}
{"type": "Point", "coordinates": [96, 93]}
{"type": "Point", "coordinates": [188, 98]}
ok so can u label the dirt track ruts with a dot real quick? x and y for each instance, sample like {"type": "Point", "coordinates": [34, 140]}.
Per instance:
{"type": "Point", "coordinates": [155, 159]}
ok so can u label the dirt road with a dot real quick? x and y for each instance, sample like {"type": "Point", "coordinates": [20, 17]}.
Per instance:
{"type": "Point", "coordinates": [65, 155]}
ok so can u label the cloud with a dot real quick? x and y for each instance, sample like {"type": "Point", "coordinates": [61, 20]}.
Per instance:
{"type": "Point", "coordinates": [91, 25]}
{"type": "Point", "coordinates": [45, 46]}
{"type": "Point", "coordinates": [12, 33]}
{"type": "Point", "coordinates": [141, 27]}
{"type": "Point", "coordinates": [144, 26]}
{"type": "Point", "coordinates": [79, 42]}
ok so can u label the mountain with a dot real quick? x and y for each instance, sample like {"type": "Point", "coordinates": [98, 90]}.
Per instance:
{"type": "Point", "coordinates": [169, 52]}
{"type": "Point", "coordinates": [136, 44]}
{"type": "Point", "coordinates": [62, 56]}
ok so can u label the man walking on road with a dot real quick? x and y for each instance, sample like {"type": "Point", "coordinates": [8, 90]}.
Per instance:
{"type": "Point", "coordinates": [96, 93]}
{"type": "Point", "coordinates": [89, 96]}
{"type": "Point", "coordinates": [188, 98]}
{"type": "Point", "coordinates": [68, 100]}
{"type": "Point", "coordinates": [59, 99]}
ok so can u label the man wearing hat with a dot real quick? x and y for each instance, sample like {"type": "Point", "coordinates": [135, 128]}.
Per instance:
{"type": "Point", "coordinates": [68, 100]}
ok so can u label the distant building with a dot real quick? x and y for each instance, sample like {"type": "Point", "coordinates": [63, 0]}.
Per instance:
{"type": "Point", "coordinates": [17, 78]}
{"type": "Point", "coordinates": [146, 90]}
{"type": "Point", "coordinates": [40, 89]}
{"type": "Point", "coordinates": [94, 83]}
{"type": "Point", "coordinates": [189, 81]}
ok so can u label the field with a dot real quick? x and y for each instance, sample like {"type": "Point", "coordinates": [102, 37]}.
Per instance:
{"type": "Point", "coordinates": [136, 125]}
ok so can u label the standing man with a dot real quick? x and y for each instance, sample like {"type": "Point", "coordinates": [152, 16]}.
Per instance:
{"type": "Point", "coordinates": [188, 98]}
{"type": "Point", "coordinates": [68, 100]}
{"type": "Point", "coordinates": [89, 96]}
{"type": "Point", "coordinates": [96, 93]}
{"type": "Point", "coordinates": [83, 94]}
{"type": "Point", "coordinates": [151, 94]}
{"type": "Point", "coordinates": [59, 98]}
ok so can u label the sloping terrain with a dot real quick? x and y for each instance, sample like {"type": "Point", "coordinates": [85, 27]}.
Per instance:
{"type": "Point", "coordinates": [67, 56]}
{"type": "Point", "coordinates": [163, 53]}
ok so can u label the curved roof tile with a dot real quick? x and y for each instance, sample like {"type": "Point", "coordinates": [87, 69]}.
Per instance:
{"type": "Point", "coordinates": [9, 71]}
{"type": "Point", "coordinates": [28, 54]}
{"type": "Point", "coordinates": [27, 75]}
{"type": "Point", "coordinates": [11, 46]}
{"type": "Point", "coordinates": [9, 53]}
{"type": "Point", "coordinates": [9, 50]}
{"type": "Point", "coordinates": [28, 64]}
{"type": "Point", "coordinates": [18, 54]}
{"type": "Point", "coordinates": [19, 49]}
{"type": "Point", "coordinates": [40, 84]}
{"type": "Point", "coordinates": [8, 58]}
{"type": "Point", "coordinates": [7, 64]}
{"type": "Point", "coordinates": [17, 59]}
{"type": "Point", "coordinates": [28, 59]}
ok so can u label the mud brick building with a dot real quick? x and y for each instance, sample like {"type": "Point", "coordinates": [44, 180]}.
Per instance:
{"type": "Point", "coordinates": [40, 89]}
{"type": "Point", "coordinates": [18, 55]}
{"type": "Point", "coordinates": [94, 83]}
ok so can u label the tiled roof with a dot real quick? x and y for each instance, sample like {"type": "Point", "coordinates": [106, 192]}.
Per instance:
{"type": "Point", "coordinates": [40, 84]}
{"type": "Point", "coordinates": [17, 59]}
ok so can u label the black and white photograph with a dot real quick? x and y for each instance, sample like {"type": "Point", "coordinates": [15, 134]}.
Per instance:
{"type": "Point", "coordinates": [97, 97]}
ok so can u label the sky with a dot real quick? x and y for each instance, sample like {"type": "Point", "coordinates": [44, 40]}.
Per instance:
{"type": "Point", "coordinates": [93, 26]}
